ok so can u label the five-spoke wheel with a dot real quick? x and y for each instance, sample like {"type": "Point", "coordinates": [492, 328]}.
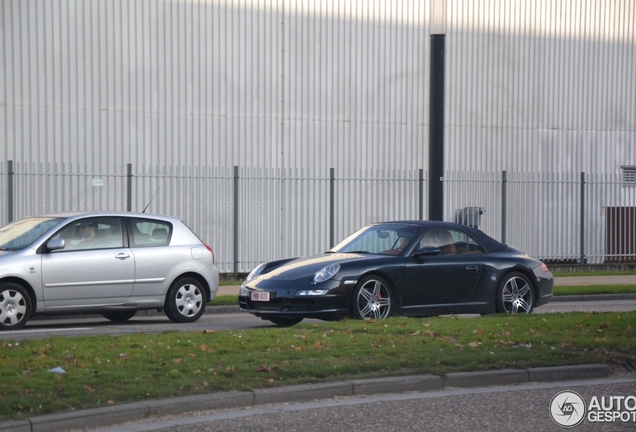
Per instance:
{"type": "Point", "coordinates": [515, 294]}
{"type": "Point", "coordinates": [372, 299]}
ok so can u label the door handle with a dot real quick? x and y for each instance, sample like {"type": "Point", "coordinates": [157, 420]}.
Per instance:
{"type": "Point", "coordinates": [472, 268]}
{"type": "Point", "coordinates": [122, 256]}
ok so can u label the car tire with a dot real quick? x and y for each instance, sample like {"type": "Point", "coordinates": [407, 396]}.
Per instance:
{"type": "Point", "coordinates": [372, 298]}
{"type": "Point", "coordinates": [119, 316]}
{"type": "Point", "coordinates": [515, 294]}
{"type": "Point", "coordinates": [285, 322]}
{"type": "Point", "coordinates": [15, 306]}
{"type": "Point", "coordinates": [185, 302]}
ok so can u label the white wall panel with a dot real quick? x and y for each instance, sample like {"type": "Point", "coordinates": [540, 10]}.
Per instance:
{"type": "Point", "coordinates": [541, 86]}
{"type": "Point", "coordinates": [184, 90]}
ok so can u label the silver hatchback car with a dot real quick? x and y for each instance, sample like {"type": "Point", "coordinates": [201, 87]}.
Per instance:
{"type": "Point", "coordinates": [113, 264]}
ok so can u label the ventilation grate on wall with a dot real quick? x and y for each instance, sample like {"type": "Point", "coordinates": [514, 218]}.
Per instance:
{"type": "Point", "coordinates": [629, 175]}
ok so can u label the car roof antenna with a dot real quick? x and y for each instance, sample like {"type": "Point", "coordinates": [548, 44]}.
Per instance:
{"type": "Point", "coordinates": [153, 197]}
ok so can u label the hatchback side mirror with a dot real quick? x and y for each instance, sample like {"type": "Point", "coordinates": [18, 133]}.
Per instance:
{"type": "Point", "coordinates": [55, 244]}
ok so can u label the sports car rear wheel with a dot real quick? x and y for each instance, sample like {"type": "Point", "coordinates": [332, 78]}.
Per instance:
{"type": "Point", "coordinates": [372, 299]}
{"type": "Point", "coordinates": [515, 294]}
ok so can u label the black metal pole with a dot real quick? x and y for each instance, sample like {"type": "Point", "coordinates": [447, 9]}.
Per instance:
{"type": "Point", "coordinates": [436, 136]}
{"type": "Point", "coordinates": [129, 177]}
{"type": "Point", "coordinates": [504, 205]}
{"type": "Point", "coordinates": [332, 205]}
{"type": "Point", "coordinates": [236, 219]}
{"type": "Point", "coordinates": [421, 183]}
{"type": "Point", "coordinates": [10, 191]}
{"type": "Point", "coordinates": [583, 258]}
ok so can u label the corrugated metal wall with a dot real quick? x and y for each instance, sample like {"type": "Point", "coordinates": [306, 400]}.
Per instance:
{"type": "Point", "coordinates": [185, 90]}
{"type": "Point", "coordinates": [541, 86]}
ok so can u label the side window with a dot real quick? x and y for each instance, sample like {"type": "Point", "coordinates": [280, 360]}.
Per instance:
{"type": "Point", "coordinates": [442, 239]}
{"type": "Point", "coordinates": [148, 232]}
{"type": "Point", "coordinates": [92, 233]}
{"type": "Point", "coordinates": [465, 244]}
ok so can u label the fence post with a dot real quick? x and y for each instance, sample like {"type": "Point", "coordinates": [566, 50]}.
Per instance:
{"type": "Point", "coordinates": [583, 258]}
{"type": "Point", "coordinates": [504, 205]}
{"type": "Point", "coordinates": [10, 191]}
{"type": "Point", "coordinates": [421, 180]}
{"type": "Point", "coordinates": [332, 200]}
{"type": "Point", "coordinates": [129, 176]}
{"type": "Point", "coordinates": [236, 219]}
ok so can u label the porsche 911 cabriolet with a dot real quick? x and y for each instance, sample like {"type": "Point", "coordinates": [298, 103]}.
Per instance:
{"type": "Point", "coordinates": [407, 268]}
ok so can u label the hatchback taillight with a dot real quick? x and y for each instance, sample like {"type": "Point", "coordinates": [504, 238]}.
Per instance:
{"type": "Point", "coordinates": [212, 252]}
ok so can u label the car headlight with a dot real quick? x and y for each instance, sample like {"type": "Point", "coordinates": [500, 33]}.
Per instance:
{"type": "Point", "coordinates": [326, 273]}
{"type": "Point", "coordinates": [255, 272]}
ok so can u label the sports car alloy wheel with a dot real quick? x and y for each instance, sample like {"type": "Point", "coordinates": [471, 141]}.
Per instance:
{"type": "Point", "coordinates": [185, 302]}
{"type": "Point", "coordinates": [515, 294]}
{"type": "Point", "coordinates": [372, 299]}
{"type": "Point", "coordinates": [15, 306]}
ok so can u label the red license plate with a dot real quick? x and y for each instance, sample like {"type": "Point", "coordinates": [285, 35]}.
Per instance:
{"type": "Point", "coordinates": [260, 296]}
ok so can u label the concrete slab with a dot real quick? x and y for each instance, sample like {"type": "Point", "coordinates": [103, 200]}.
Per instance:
{"type": "Point", "coordinates": [224, 400]}
{"type": "Point", "coordinates": [95, 417]}
{"type": "Point", "coordinates": [403, 384]}
{"type": "Point", "coordinates": [486, 378]}
{"type": "Point", "coordinates": [567, 373]}
{"type": "Point", "coordinates": [303, 392]}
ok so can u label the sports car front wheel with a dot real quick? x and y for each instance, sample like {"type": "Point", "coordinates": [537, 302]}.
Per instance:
{"type": "Point", "coordinates": [372, 299]}
{"type": "Point", "coordinates": [515, 294]}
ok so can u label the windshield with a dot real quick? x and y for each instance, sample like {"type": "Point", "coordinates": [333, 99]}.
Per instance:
{"type": "Point", "coordinates": [388, 239]}
{"type": "Point", "coordinates": [20, 234]}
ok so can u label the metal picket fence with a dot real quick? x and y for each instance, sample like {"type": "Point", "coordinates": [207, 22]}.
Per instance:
{"type": "Point", "coordinates": [249, 215]}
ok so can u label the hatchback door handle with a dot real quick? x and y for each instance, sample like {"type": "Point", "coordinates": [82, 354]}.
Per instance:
{"type": "Point", "coordinates": [122, 256]}
{"type": "Point", "coordinates": [472, 268]}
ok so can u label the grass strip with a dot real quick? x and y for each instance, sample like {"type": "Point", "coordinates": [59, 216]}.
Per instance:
{"type": "Point", "coordinates": [107, 370]}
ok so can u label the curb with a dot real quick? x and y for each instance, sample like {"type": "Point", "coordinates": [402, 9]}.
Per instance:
{"type": "Point", "coordinates": [113, 415]}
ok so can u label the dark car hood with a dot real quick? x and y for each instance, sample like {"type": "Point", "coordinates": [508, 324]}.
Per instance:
{"type": "Point", "coordinates": [306, 267]}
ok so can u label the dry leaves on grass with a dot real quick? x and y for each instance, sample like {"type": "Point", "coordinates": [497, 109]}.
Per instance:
{"type": "Point", "coordinates": [263, 368]}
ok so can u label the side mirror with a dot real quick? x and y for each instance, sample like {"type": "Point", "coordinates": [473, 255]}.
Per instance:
{"type": "Point", "coordinates": [427, 251]}
{"type": "Point", "coordinates": [55, 244]}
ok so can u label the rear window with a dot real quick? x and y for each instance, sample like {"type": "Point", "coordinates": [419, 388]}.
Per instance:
{"type": "Point", "coordinates": [148, 232]}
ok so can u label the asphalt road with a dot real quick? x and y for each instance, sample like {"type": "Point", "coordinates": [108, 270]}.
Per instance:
{"type": "Point", "coordinates": [520, 408]}
{"type": "Point", "coordinates": [38, 328]}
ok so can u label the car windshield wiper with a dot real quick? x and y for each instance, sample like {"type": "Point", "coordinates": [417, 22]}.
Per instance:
{"type": "Point", "coordinates": [357, 251]}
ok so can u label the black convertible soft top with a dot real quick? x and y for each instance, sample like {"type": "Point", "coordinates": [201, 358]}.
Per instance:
{"type": "Point", "coordinates": [490, 244]}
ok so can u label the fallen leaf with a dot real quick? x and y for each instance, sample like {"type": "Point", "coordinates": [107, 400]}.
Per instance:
{"type": "Point", "coordinates": [263, 368]}
{"type": "Point", "coordinates": [473, 344]}
{"type": "Point", "coordinates": [209, 331]}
